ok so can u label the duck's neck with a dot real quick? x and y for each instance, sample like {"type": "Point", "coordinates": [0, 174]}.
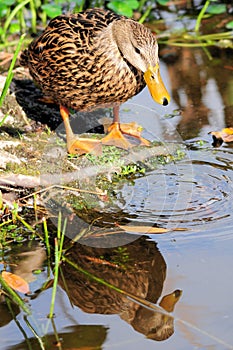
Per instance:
{"type": "Point", "coordinates": [107, 46]}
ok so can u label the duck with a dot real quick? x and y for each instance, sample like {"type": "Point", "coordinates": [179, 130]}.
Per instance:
{"type": "Point", "coordinates": [91, 59]}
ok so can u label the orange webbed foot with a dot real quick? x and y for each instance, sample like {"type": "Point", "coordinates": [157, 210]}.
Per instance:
{"type": "Point", "coordinates": [134, 130]}
{"type": "Point", "coordinates": [81, 145]}
{"type": "Point", "coordinates": [115, 137]}
{"type": "Point", "coordinates": [116, 132]}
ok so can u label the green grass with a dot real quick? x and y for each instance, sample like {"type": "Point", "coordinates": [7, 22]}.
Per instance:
{"type": "Point", "coordinates": [23, 16]}
{"type": "Point", "coordinates": [58, 244]}
{"type": "Point", "coordinates": [10, 75]}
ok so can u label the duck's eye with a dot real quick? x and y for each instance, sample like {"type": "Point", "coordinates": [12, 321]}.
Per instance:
{"type": "Point", "coordinates": [137, 50]}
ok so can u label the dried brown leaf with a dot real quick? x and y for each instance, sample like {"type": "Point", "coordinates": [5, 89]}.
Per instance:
{"type": "Point", "coordinates": [225, 135]}
{"type": "Point", "coordinates": [149, 229]}
{"type": "Point", "coordinates": [15, 282]}
{"type": "Point", "coordinates": [144, 229]}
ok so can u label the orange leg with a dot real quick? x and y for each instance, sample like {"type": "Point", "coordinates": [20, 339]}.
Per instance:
{"type": "Point", "coordinates": [75, 144]}
{"type": "Point", "coordinates": [116, 133]}
{"type": "Point", "coordinates": [115, 136]}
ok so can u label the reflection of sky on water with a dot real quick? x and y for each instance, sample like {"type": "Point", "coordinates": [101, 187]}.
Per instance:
{"type": "Point", "coordinates": [202, 268]}
{"type": "Point", "coordinates": [213, 101]}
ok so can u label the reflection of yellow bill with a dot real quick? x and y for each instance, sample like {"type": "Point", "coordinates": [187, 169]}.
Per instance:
{"type": "Point", "coordinates": [169, 301]}
{"type": "Point", "coordinates": [156, 85]}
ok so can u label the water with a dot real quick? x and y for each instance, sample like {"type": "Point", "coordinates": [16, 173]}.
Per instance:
{"type": "Point", "coordinates": [195, 194]}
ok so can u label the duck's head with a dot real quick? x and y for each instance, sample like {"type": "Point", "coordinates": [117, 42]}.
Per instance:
{"type": "Point", "coordinates": [139, 47]}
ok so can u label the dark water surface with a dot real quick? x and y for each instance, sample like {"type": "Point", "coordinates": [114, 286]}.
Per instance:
{"type": "Point", "coordinates": [196, 194]}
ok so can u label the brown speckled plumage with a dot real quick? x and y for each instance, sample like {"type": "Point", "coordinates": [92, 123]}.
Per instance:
{"type": "Point", "coordinates": [76, 64]}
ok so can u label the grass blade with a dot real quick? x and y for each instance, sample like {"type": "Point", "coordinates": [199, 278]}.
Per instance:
{"type": "Point", "coordinates": [10, 71]}
{"type": "Point", "coordinates": [11, 16]}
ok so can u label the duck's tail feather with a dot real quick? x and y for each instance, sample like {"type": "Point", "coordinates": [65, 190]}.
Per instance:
{"type": "Point", "coordinates": [23, 60]}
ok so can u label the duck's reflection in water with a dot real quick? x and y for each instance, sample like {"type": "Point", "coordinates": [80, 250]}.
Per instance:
{"type": "Point", "coordinates": [137, 268]}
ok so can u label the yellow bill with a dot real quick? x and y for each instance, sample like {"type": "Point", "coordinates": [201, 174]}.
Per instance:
{"type": "Point", "coordinates": [156, 86]}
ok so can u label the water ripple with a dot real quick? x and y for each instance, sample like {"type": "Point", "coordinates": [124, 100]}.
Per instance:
{"type": "Point", "coordinates": [196, 194]}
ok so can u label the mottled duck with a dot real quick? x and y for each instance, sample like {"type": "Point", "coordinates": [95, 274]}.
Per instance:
{"type": "Point", "coordinates": [92, 59]}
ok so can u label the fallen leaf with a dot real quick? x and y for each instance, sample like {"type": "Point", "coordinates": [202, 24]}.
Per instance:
{"type": "Point", "coordinates": [15, 282]}
{"type": "Point", "coordinates": [144, 229]}
{"type": "Point", "coordinates": [225, 135]}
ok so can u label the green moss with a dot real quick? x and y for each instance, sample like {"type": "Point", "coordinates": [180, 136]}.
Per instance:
{"type": "Point", "coordinates": [23, 168]}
